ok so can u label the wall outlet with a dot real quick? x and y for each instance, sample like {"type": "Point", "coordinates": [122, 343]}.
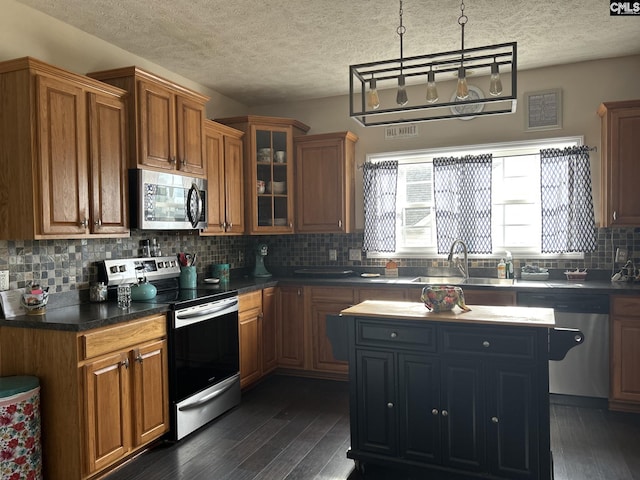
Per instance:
{"type": "Point", "coordinates": [621, 255]}
{"type": "Point", "coordinates": [333, 254]}
{"type": "Point", "coordinates": [4, 280]}
{"type": "Point", "coordinates": [355, 254]}
{"type": "Point", "coordinates": [240, 256]}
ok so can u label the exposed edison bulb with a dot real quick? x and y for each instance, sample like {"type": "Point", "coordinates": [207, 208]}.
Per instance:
{"type": "Point", "coordinates": [401, 96]}
{"type": "Point", "coordinates": [495, 84]}
{"type": "Point", "coordinates": [373, 100]}
{"type": "Point", "coordinates": [462, 90]}
{"type": "Point", "coordinates": [432, 89]}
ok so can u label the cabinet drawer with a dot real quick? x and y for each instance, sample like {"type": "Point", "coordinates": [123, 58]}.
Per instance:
{"type": "Point", "coordinates": [111, 339]}
{"type": "Point", "coordinates": [494, 342]}
{"type": "Point", "coordinates": [249, 301]}
{"type": "Point", "coordinates": [399, 336]}
{"type": "Point", "coordinates": [628, 306]}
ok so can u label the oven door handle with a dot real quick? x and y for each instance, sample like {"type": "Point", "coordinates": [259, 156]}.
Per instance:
{"type": "Point", "coordinates": [207, 312]}
{"type": "Point", "coordinates": [207, 398]}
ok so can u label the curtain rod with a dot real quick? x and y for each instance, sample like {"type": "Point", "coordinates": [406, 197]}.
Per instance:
{"type": "Point", "coordinates": [590, 149]}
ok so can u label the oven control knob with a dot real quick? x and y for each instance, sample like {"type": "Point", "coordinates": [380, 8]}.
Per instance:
{"type": "Point", "coordinates": [122, 268]}
{"type": "Point", "coordinates": [113, 269]}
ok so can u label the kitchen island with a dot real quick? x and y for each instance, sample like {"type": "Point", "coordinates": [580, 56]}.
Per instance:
{"type": "Point", "coordinates": [457, 394]}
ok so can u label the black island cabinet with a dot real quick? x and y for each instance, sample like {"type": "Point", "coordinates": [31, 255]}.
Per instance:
{"type": "Point", "coordinates": [457, 395]}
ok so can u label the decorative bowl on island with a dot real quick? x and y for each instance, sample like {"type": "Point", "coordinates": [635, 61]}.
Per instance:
{"type": "Point", "coordinates": [442, 298]}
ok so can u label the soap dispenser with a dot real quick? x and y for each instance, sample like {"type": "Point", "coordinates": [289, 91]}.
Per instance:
{"type": "Point", "coordinates": [502, 269]}
{"type": "Point", "coordinates": [508, 266]}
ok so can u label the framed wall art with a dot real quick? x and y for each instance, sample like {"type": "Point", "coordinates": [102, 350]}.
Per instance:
{"type": "Point", "coordinates": [543, 110]}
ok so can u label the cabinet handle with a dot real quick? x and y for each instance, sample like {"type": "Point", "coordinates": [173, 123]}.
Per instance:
{"type": "Point", "coordinates": [98, 223]}
{"type": "Point", "coordinates": [299, 292]}
{"type": "Point", "coordinates": [139, 358]}
{"type": "Point", "coordinates": [183, 162]}
{"type": "Point", "coordinates": [339, 223]}
{"type": "Point", "coordinates": [125, 363]}
{"type": "Point", "coordinates": [84, 223]}
{"type": "Point", "coordinates": [390, 405]}
{"type": "Point", "coordinates": [445, 413]}
{"type": "Point", "coordinates": [172, 160]}
{"type": "Point", "coordinates": [615, 215]}
{"type": "Point", "coordinates": [394, 335]}
{"type": "Point", "coordinates": [494, 419]}
{"type": "Point", "coordinates": [435, 411]}
{"type": "Point", "coordinates": [486, 344]}
{"type": "Point", "coordinates": [230, 225]}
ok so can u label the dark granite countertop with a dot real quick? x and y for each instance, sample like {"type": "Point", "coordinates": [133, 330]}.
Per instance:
{"type": "Point", "coordinates": [86, 316]}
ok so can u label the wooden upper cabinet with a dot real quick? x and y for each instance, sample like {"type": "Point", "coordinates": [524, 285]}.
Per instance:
{"type": "Point", "coordinates": [223, 153]}
{"type": "Point", "coordinates": [620, 168]}
{"type": "Point", "coordinates": [268, 211]}
{"type": "Point", "coordinates": [63, 154]}
{"type": "Point", "coordinates": [166, 121]}
{"type": "Point", "coordinates": [325, 185]}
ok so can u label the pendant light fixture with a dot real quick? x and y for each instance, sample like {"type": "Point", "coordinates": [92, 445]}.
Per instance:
{"type": "Point", "coordinates": [406, 74]}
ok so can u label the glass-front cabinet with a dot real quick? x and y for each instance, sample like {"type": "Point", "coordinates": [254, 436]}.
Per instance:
{"type": "Point", "coordinates": [269, 163]}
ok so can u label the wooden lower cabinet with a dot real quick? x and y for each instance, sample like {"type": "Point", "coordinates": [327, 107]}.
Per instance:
{"type": "Point", "coordinates": [104, 392]}
{"type": "Point", "coordinates": [625, 353]}
{"type": "Point", "coordinates": [290, 327]}
{"type": "Point", "coordinates": [325, 301]}
{"type": "Point", "coordinates": [257, 335]}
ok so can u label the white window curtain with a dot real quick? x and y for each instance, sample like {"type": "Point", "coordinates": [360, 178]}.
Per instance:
{"type": "Point", "coordinates": [568, 223]}
{"type": "Point", "coordinates": [380, 183]}
{"type": "Point", "coordinates": [462, 198]}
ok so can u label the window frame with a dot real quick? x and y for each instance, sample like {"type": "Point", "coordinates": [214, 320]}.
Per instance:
{"type": "Point", "coordinates": [498, 149]}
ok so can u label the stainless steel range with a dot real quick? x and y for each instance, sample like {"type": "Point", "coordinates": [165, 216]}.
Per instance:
{"type": "Point", "coordinates": [204, 362]}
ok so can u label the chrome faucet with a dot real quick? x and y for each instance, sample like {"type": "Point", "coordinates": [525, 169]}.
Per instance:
{"type": "Point", "coordinates": [464, 269]}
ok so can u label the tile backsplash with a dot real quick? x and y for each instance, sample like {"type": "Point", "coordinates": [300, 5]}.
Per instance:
{"type": "Point", "coordinates": [66, 265]}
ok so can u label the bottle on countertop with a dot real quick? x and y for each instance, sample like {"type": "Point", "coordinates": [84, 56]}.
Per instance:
{"type": "Point", "coordinates": [502, 269]}
{"type": "Point", "coordinates": [508, 266]}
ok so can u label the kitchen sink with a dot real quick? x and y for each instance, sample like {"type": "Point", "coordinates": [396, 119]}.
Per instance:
{"type": "Point", "coordinates": [463, 281]}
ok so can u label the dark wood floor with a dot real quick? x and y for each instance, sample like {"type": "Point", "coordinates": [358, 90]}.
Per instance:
{"type": "Point", "coordinates": [291, 428]}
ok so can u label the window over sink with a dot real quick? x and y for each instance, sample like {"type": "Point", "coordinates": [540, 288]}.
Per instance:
{"type": "Point", "coordinates": [515, 198]}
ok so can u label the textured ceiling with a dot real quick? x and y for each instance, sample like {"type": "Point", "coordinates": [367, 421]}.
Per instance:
{"type": "Point", "coordinates": [269, 51]}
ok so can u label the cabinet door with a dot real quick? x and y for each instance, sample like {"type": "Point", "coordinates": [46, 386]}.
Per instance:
{"type": "Point", "coordinates": [419, 408]}
{"type": "Point", "coordinates": [234, 185]}
{"type": "Point", "coordinates": [157, 133]}
{"type": "Point", "coordinates": [250, 337]}
{"type": "Point", "coordinates": [216, 200]}
{"type": "Point", "coordinates": [290, 327]}
{"type": "Point", "coordinates": [320, 197]}
{"type": "Point", "coordinates": [620, 167]}
{"type": "Point", "coordinates": [107, 410]}
{"type": "Point", "coordinates": [322, 353]}
{"type": "Point", "coordinates": [377, 409]}
{"type": "Point", "coordinates": [108, 154]}
{"type": "Point", "coordinates": [63, 164]}
{"type": "Point", "coordinates": [190, 137]}
{"type": "Point", "coordinates": [272, 210]}
{"type": "Point", "coordinates": [269, 354]}
{"type": "Point", "coordinates": [512, 418]}
{"type": "Point", "coordinates": [150, 392]}
{"type": "Point", "coordinates": [625, 367]}
{"type": "Point", "coordinates": [462, 407]}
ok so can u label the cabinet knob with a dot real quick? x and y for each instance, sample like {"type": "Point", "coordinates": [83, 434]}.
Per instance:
{"type": "Point", "coordinates": [139, 358]}
{"type": "Point", "coordinates": [229, 225]}
{"type": "Point", "coordinates": [172, 160]}
{"type": "Point", "coordinates": [223, 225]}
{"type": "Point", "coordinates": [339, 223]}
{"type": "Point", "coordinates": [486, 344]}
{"type": "Point", "coordinates": [98, 223]}
{"type": "Point", "coordinates": [435, 411]}
{"type": "Point", "coordinates": [615, 215]}
{"type": "Point", "coordinates": [394, 335]}
{"type": "Point", "coordinates": [183, 162]}
{"type": "Point", "coordinates": [125, 363]}
{"type": "Point", "coordinates": [445, 413]}
{"type": "Point", "coordinates": [390, 405]}
{"type": "Point", "coordinates": [494, 419]}
{"type": "Point", "coordinates": [84, 223]}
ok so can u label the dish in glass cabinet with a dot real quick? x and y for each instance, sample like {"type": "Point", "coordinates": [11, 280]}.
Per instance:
{"type": "Point", "coordinates": [474, 94]}
{"type": "Point", "coordinates": [211, 280]}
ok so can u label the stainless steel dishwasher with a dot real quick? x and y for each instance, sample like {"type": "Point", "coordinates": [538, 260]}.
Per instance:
{"type": "Point", "coordinates": [584, 371]}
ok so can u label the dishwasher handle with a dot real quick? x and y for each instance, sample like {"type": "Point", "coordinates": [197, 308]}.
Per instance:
{"type": "Point", "coordinates": [561, 340]}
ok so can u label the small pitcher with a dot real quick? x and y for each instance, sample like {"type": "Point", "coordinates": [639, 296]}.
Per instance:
{"type": "Point", "coordinates": [188, 277]}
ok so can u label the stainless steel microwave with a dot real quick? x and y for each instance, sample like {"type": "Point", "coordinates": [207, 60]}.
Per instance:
{"type": "Point", "coordinates": [164, 201]}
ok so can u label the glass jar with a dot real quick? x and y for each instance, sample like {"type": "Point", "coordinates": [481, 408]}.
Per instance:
{"type": "Point", "coordinates": [98, 292]}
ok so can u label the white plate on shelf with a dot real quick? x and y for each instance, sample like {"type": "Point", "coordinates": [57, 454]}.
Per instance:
{"type": "Point", "coordinates": [211, 280]}
{"type": "Point", "coordinates": [369, 275]}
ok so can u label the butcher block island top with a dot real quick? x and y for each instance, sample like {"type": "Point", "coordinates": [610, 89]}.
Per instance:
{"type": "Point", "coordinates": [479, 314]}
